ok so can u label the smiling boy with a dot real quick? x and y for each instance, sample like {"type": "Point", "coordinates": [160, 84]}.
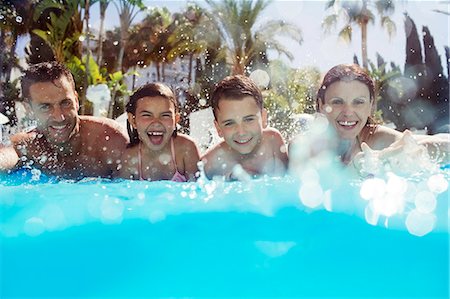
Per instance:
{"type": "Point", "coordinates": [248, 143]}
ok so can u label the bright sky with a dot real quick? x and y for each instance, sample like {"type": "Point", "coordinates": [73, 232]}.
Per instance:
{"type": "Point", "coordinates": [325, 51]}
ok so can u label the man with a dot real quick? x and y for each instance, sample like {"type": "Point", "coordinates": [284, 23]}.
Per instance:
{"type": "Point", "coordinates": [63, 144]}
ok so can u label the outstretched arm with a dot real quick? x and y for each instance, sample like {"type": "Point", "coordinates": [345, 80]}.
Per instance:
{"type": "Point", "coordinates": [8, 158]}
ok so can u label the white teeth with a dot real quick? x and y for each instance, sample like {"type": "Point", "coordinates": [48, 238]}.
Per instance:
{"type": "Point", "coordinates": [155, 133]}
{"type": "Point", "coordinates": [347, 123]}
{"type": "Point", "coordinates": [58, 127]}
{"type": "Point", "coordinates": [243, 140]}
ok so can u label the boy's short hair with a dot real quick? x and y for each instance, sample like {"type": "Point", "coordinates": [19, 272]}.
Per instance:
{"type": "Point", "coordinates": [44, 72]}
{"type": "Point", "coordinates": [235, 87]}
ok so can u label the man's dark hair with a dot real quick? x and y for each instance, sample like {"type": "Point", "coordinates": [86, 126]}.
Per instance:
{"type": "Point", "coordinates": [44, 72]}
{"type": "Point", "coordinates": [235, 87]}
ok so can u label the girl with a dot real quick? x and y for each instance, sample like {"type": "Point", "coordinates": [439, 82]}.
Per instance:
{"type": "Point", "coordinates": [156, 151]}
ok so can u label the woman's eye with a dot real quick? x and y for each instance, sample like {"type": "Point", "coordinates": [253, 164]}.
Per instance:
{"type": "Point", "coordinates": [336, 102]}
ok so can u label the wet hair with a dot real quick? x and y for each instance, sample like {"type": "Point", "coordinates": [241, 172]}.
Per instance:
{"type": "Point", "coordinates": [346, 72]}
{"type": "Point", "coordinates": [235, 87]}
{"type": "Point", "coordinates": [148, 90]}
{"type": "Point", "coordinates": [44, 72]}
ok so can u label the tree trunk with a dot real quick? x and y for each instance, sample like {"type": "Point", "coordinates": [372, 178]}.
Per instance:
{"type": "Point", "coordinates": [364, 44]}
{"type": "Point", "coordinates": [158, 74]}
{"type": "Point", "coordinates": [191, 58]}
{"type": "Point", "coordinates": [86, 64]}
{"type": "Point", "coordinates": [2, 50]}
{"type": "Point", "coordinates": [103, 7]}
{"type": "Point", "coordinates": [133, 83]}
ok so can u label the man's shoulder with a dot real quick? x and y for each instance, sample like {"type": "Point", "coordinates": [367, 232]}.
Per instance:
{"type": "Point", "coordinates": [101, 124]}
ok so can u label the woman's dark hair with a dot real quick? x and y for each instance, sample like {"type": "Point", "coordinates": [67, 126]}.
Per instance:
{"type": "Point", "coordinates": [346, 72]}
{"type": "Point", "coordinates": [147, 90]}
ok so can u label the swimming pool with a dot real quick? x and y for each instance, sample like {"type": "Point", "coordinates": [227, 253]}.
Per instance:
{"type": "Point", "coordinates": [131, 239]}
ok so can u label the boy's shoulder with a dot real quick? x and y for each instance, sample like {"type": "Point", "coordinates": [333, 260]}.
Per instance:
{"type": "Point", "coordinates": [272, 133]}
{"type": "Point", "coordinates": [215, 151]}
{"type": "Point", "coordinates": [273, 137]}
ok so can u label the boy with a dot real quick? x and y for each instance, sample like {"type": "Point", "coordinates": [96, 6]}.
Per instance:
{"type": "Point", "coordinates": [248, 144]}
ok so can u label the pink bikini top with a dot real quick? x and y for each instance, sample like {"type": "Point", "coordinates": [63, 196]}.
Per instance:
{"type": "Point", "coordinates": [177, 176]}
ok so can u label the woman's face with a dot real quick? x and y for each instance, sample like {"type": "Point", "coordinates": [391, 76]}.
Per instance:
{"type": "Point", "coordinates": [347, 106]}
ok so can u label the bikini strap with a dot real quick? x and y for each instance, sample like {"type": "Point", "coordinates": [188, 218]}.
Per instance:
{"type": "Point", "coordinates": [172, 149]}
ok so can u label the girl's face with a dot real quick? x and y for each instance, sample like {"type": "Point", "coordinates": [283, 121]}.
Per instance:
{"type": "Point", "coordinates": [347, 106]}
{"type": "Point", "coordinates": [155, 120]}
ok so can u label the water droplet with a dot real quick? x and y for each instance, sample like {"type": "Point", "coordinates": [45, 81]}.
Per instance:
{"type": "Point", "coordinates": [420, 224]}
{"type": "Point", "coordinates": [34, 226]}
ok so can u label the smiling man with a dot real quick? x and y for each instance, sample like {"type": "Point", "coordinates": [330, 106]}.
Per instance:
{"type": "Point", "coordinates": [248, 144]}
{"type": "Point", "coordinates": [63, 143]}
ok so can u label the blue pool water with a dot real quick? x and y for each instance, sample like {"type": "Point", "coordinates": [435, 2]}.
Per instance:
{"type": "Point", "coordinates": [131, 239]}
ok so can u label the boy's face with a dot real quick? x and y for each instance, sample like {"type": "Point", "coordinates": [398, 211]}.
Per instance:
{"type": "Point", "coordinates": [54, 104]}
{"type": "Point", "coordinates": [240, 123]}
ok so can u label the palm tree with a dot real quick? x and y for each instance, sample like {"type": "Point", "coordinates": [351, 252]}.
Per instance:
{"type": "Point", "coordinates": [235, 21]}
{"type": "Point", "coordinates": [103, 6]}
{"type": "Point", "coordinates": [189, 36]}
{"type": "Point", "coordinates": [15, 22]}
{"type": "Point", "coordinates": [127, 10]}
{"type": "Point", "coordinates": [64, 27]}
{"type": "Point", "coordinates": [359, 13]}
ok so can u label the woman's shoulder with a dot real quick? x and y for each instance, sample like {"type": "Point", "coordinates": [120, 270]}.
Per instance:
{"type": "Point", "coordinates": [379, 136]}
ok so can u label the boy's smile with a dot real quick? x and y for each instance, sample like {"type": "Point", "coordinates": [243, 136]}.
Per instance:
{"type": "Point", "coordinates": [240, 122]}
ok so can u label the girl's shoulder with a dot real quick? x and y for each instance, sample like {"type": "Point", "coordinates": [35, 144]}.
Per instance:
{"type": "Point", "coordinates": [182, 140]}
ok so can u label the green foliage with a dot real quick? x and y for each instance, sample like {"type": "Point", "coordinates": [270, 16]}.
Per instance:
{"type": "Point", "coordinates": [63, 30]}
{"type": "Point", "coordinates": [293, 92]}
{"type": "Point", "coordinates": [244, 44]}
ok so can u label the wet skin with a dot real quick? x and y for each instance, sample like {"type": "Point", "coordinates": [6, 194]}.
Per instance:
{"type": "Point", "coordinates": [63, 143]}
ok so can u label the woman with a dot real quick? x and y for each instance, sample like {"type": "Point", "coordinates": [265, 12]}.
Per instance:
{"type": "Point", "coordinates": [347, 99]}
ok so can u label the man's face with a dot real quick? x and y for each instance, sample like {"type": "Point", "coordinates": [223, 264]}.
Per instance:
{"type": "Point", "coordinates": [55, 108]}
{"type": "Point", "coordinates": [240, 123]}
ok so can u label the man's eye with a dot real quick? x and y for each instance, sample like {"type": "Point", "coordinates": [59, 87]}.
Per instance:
{"type": "Point", "coordinates": [249, 119]}
{"type": "Point", "coordinates": [66, 104]}
{"type": "Point", "coordinates": [44, 107]}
